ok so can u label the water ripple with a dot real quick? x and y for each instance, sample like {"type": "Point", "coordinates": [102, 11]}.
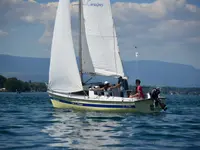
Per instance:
{"type": "Point", "coordinates": [28, 121]}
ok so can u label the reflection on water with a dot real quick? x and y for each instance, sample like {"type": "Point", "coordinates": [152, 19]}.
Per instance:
{"type": "Point", "coordinates": [84, 130]}
{"type": "Point", "coordinates": [28, 121]}
{"type": "Point", "coordinates": [76, 130]}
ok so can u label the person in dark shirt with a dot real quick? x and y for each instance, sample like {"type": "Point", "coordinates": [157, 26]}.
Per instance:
{"type": "Point", "coordinates": [155, 96]}
{"type": "Point", "coordinates": [123, 86]}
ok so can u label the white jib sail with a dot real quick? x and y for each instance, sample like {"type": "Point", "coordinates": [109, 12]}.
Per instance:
{"type": "Point", "coordinates": [101, 38]}
{"type": "Point", "coordinates": [63, 74]}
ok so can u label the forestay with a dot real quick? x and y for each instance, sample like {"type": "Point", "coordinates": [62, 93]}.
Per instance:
{"type": "Point", "coordinates": [63, 74]}
{"type": "Point", "coordinates": [101, 39]}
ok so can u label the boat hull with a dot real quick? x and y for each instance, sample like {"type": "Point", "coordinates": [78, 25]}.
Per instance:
{"type": "Point", "coordinates": [58, 104]}
{"type": "Point", "coordinates": [142, 106]}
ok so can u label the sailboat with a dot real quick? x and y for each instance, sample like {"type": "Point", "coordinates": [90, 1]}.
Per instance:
{"type": "Point", "coordinates": [99, 55]}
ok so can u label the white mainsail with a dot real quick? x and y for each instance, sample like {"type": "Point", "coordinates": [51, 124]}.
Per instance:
{"type": "Point", "coordinates": [63, 74]}
{"type": "Point", "coordinates": [101, 39]}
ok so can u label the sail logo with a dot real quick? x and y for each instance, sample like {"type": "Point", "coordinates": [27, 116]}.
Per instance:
{"type": "Point", "coordinates": [95, 4]}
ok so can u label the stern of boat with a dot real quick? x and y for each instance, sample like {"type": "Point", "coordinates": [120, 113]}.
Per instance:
{"type": "Point", "coordinates": [148, 105]}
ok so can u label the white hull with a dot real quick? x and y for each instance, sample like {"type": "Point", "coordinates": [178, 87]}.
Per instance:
{"type": "Point", "coordinates": [103, 103]}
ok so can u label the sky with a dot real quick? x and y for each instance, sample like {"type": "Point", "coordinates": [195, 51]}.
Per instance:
{"type": "Point", "coordinates": [165, 30]}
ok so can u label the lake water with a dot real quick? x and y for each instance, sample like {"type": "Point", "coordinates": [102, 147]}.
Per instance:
{"type": "Point", "coordinates": [28, 121]}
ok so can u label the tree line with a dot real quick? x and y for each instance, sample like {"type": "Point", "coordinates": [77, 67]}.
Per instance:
{"type": "Point", "coordinates": [15, 85]}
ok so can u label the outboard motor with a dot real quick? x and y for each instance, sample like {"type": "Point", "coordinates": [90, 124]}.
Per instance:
{"type": "Point", "coordinates": [155, 96]}
{"type": "Point", "coordinates": [155, 93]}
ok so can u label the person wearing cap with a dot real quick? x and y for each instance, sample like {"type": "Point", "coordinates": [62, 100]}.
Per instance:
{"type": "Point", "coordinates": [106, 88]}
{"type": "Point", "coordinates": [97, 91]}
{"type": "Point", "coordinates": [138, 92]}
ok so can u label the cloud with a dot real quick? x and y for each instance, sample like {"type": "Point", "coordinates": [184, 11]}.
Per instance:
{"type": "Point", "coordinates": [163, 30]}
{"type": "Point", "coordinates": [18, 11]}
{"type": "Point", "coordinates": [2, 33]}
{"type": "Point", "coordinates": [49, 19]}
{"type": "Point", "coordinates": [194, 40]}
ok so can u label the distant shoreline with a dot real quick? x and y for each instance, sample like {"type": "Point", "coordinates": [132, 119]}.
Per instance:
{"type": "Point", "coordinates": [14, 85]}
{"type": "Point", "coordinates": [151, 72]}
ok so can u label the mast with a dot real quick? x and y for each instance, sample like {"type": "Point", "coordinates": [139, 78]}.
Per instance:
{"type": "Point", "coordinates": [80, 40]}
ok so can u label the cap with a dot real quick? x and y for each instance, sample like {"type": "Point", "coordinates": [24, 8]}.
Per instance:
{"type": "Point", "coordinates": [106, 82]}
{"type": "Point", "coordinates": [126, 78]}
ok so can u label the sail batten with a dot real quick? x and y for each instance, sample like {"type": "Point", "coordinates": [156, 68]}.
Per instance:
{"type": "Point", "coordinates": [63, 72]}
{"type": "Point", "coordinates": [101, 38]}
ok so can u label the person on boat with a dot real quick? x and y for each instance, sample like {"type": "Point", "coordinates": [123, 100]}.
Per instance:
{"type": "Point", "coordinates": [138, 91]}
{"type": "Point", "coordinates": [122, 85]}
{"type": "Point", "coordinates": [97, 91]}
{"type": "Point", "coordinates": [155, 96]}
{"type": "Point", "coordinates": [106, 88]}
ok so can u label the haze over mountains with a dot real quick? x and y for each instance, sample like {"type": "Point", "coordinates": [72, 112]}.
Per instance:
{"type": "Point", "coordinates": [155, 73]}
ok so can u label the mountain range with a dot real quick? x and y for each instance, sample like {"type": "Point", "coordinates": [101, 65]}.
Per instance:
{"type": "Point", "coordinates": [154, 73]}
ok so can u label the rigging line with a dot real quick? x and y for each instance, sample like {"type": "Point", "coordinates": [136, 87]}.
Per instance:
{"type": "Point", "coordinates": [87, 81]}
